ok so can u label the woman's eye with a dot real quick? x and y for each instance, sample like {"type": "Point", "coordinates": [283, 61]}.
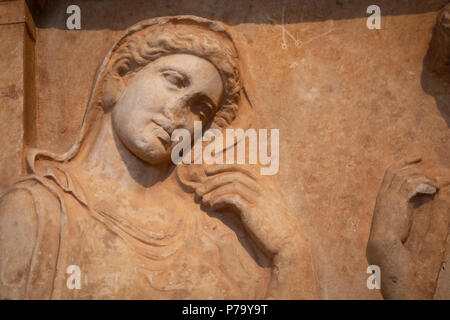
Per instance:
{"type": "Point", "coordinates": [203, 110]}
{"type": "Point", "coordinates": [175, 78]}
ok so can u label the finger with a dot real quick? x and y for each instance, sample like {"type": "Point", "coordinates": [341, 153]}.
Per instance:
{"type": "Point", "coordinates": [401, 175]}
{"type": "Point", "coordinates": [229, 168]}
{"type": "Point", "coordinates": [443, 181]}
{"type": "Point", "coordinates": [190, 176]}
{"type": "Point", "coordinates": [229, 189]}
{"type": "Point", "coordinates": [396, 166]}
{"type": "Point", "coordinates": [417, 185]}
{"type": "Point", "coordinates": [228, 200]}
{"type": "Point", "coordinates": [220, 180]}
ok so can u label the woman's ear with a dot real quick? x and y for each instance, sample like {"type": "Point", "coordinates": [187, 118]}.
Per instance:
{"type": "Point", "coordinates": [112, 89]}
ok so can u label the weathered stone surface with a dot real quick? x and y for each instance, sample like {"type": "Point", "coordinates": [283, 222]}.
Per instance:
{"type": "Point", "coordinates": [17, 36]}
{"type": "Point", "coordinates": [348, 102]}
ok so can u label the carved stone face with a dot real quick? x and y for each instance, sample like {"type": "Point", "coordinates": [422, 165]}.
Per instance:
{"type": "Point", "coordinates": [169, 93]}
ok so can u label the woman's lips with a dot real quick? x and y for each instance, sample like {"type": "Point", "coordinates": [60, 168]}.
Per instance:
{"type": "Point", "coordinates": [162, 134]}
{"type": "Point", "coordinates": [162, 124]}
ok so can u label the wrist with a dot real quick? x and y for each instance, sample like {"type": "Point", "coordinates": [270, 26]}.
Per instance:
{"type": "Point", "coordinates": [293, 275]}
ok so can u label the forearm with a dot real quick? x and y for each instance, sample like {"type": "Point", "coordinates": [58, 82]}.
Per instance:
{"type": "Point", "coordinates": [399, 278]}
{"type": "Point", "coordinates": [292, 276]}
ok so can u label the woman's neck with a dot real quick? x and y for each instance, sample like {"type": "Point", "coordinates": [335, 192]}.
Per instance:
{"type": "Point", "coordinates": [110, 163]}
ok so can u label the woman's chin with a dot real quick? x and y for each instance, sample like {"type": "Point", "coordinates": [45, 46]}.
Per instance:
{"type": "Point", "coordinates": [154, 153]}
{"type": "Point", "coordinates": [148, 148]}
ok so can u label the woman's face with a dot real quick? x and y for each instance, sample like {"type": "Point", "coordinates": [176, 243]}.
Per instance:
{"type": "Point", "coordinates": [169, 93]}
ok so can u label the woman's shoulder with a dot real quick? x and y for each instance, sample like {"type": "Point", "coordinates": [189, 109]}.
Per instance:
{"type": "Point", "coordinates": [27, 192]}
{"type": "Point", "coordinates": [30, 201]}
{"type": "Point", "coordinates": [17, 208]}
{"type": "Point", "coordinates": [24, 205]}
{"type": "Point", "coordinates": [18, 230]}
{"type": "Point", "coordinates": [30, 219]}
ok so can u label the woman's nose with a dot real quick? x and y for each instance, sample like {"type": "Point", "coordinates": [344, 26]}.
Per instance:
{"type": "Point", "coordinates": [176, 111]}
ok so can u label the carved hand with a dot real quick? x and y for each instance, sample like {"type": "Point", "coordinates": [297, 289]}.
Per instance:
{"type": "Point", "coordinates": [237, 188]}
{"type": "Point", "coordinates": [409, 267]}
{"type": "Point", "coordinates": [265, 216]}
